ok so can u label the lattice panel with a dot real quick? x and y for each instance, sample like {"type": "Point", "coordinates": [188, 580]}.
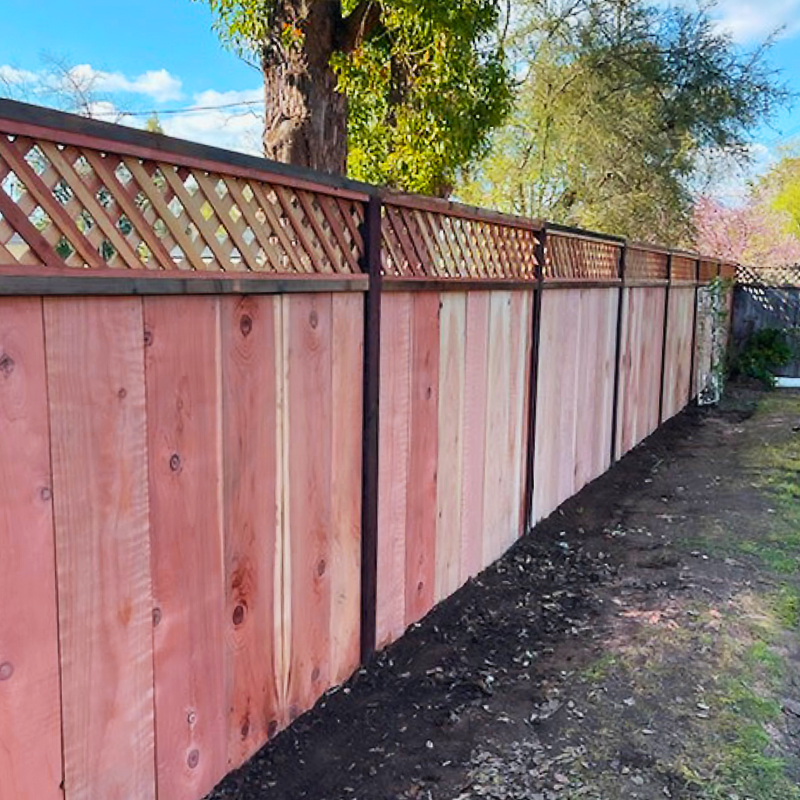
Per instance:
{"type": "Point", "coordinates": [683, 268]}
{"type": "Point", "coordinates": [646, 264]}
{"type": "Point", "coordinates": [770, 276]}
{"type": "Point", "coordinates": [570, 257]}
{"type": "Point", "coordinates": [62, 205]}
{"type": "Point", "coordinates": [422, 243]}
{"type": "Point", "coordinates": [708, 271]}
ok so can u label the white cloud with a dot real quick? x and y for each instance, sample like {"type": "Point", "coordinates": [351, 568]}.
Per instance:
{"type": "Point", "coordinates": [216, 121]}
{"type": "Point", "coordinates": [749, 21]}
{"type": "Point", "coordinates": [232, 120]}
{"type": "Point", "coordinates": [158, 84]}
{"type": "Point", "coordinates": [15, 77]}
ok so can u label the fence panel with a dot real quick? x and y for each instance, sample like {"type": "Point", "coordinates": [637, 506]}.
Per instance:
{"type": "Point", "coordinates": [575, 393]}
{"type": "Point", "coordinates": [456, 337]}
{"type": "Point", "coordinates": [454, 375]}
{"type": "Point", "coordinates": [643, 305]}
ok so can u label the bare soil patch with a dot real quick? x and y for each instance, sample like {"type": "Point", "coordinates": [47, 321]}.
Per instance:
{"type": "Point", "coordinates": [641, 643]}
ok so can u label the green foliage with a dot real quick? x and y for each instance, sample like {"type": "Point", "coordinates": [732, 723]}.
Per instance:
{"type": "Point", "coordinates": [424, 92]}
{"type": "Point", "coordinates": [618, 101]}
{"type": "Point", "coordinates": [763, 354]}
{"type": "Point", "coordinates": [425, 85]}
{"type": "Point", "coordinates": [244, 25]}
{"type": "Point", "coordinates": [782, 184]}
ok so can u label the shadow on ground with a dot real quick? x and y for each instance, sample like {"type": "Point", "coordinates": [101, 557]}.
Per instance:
{"type": "Point", "coordinates": [641, 643]}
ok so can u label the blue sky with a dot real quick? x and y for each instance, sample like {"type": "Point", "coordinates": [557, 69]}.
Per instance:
{"type": "Point", "coordinates": [163, 54]}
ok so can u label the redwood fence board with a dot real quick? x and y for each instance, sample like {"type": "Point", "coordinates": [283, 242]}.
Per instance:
{"type": "Point", "coordinates": [186, 542]}
{"type": "Point", "coordinates": [184, 476]}
{"type": "Point", "coordinates": [96, 383]}
{"type": "Point", "coordinates": [677, 364]}
{"type": "Point", "coordinates": [422, 524]}
{"type": "Point", "coordinates": [250, 458]}
{"type": "Point", "coordinates": [30, 699]}
{"type": "Point", "coordinates": [640, 366]}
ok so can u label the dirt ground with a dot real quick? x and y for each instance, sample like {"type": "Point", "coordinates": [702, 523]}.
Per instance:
{"type": "Point", "coordinates": [643, 642]}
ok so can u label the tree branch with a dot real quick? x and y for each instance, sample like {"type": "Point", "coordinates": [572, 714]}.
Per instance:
{"type": "Point", "coordinates": [359, 24]}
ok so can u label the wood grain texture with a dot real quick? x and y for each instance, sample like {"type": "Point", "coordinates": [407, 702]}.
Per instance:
{"type": "Point", "coordinates": [498, 477]}
{"type": "Point", "coordinates": [185, 461]}
{"type": "Point", "coordinates": [575, 393]}
{"type": "Point", "coordinates": [250, 463]}
{"type": "Point", "coordinates": [30, 700]}
{"type": "Point", "coordinates": [474, 437]}
{"type": "Point", "coordinates": [602, 347]}
{"type": "Point", "coordinates": [345, 550]}
{"type": "Point", "coordinates": [452, 342]}
{"type": "Point", "coordinates": [547, 386]}
{"type": "Point", "coordinates": [395, 403]}
{"type": "Point", "coordinates": [677, 365]}
{"type": "Point", "coordinates": [308, 509]}
{"type": "Point", "coordinates": [95, 368]}
{"type": "Point", "coordinates": [421, 548]}
{"type": "Point", "coordinates": [640, 365]}
{"type": "Point", "coordinates": [567, 362]}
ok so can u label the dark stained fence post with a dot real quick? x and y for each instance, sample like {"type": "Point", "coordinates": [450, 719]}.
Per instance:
{"type": "Point", "coordinates": [369, 499]}
{"type": "Point", "coordinates": [692, 355]}
{"type": "Point", "coordinates": [541, 254]}
{"type": "Point", "coordinates": [623, 254]}
{"type": "Point", "coordinates": [664, 340]}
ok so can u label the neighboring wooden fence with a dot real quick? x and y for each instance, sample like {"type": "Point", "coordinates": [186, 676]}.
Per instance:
{"type": "Point", "coordinates": [767, 298]}
{"type": "Point", "coordinates": [254, 422]}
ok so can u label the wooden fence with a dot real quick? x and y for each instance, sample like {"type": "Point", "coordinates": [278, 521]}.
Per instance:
{"type": "Point", "coordinates": [254, 422]}
{"type": "Point", "coordinates": [767, 298]}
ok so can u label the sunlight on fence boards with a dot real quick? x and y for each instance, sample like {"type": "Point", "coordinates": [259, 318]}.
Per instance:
{"type": "Point", "coordinates": [203, 357]}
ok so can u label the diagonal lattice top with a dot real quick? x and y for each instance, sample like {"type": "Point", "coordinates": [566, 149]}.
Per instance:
{"type": "Point", "coordinates": [420, 242]}
{"type": "Point", "coordinates": [76, 206]}
{"type": "Point", "coordinates": [644, 264]}
{"type": "Point", "coordinates": [684, 269]}
{"type": "Point", "coordinates": [571, 256]}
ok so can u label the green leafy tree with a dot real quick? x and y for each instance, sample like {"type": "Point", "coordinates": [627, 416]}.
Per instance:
{"type": "Point", "coordinates": [412, 89]}
{"type": "Point", "coordinates": [618, 103]}
{"type": "Point", "coordinates": [782, 184]}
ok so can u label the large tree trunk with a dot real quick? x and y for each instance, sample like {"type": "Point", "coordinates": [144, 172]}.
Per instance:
{"type": "Point", "coordinates": [306, 118]}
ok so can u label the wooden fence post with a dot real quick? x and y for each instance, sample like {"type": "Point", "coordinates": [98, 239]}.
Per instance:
{"type": "Point", "coordinates": [664, 340]}
{"type": "Point", "coordinates": [541, 254]}
{"type": "Point", "coordinates": [692, 356]}
{"type": "Point", "coordinates": [371, 232]}
{"type": "Point", "coordinates": [623, 254]}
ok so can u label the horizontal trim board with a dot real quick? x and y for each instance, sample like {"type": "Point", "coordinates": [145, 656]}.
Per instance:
{"type": "Point", "coordinates": [582, 233]}
{"type": "Point", "coordinates": [395, 284]}
{"type": "Point", "coordinates": [640, 283]}
{"type": "Point", "coordinates": [580, 283]}
{"type": "Point", "coordinates": [44, 281]}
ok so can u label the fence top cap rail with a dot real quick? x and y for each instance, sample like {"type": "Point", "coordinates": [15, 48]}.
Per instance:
{"type": "Point", "coordinates": [687, 254]}
{"type": "Point", "coordinates": [651, 248]}
{"type": "Point", "coordinates": [567, 230]}
{"type": "Point", "coordinates": [18, 118]}
{"type": "Point", "coordinates": [451, 207]}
